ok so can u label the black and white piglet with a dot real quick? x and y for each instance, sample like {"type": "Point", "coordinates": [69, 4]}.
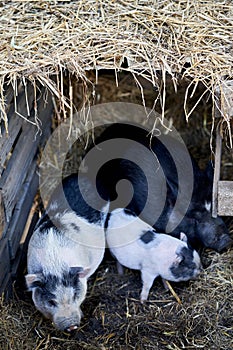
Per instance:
{"type": "Point", "coordinates": [65, 249]}
{"type": "Point", "coordinates": [136, 245]}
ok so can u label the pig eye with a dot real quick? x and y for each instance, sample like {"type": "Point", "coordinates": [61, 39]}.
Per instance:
{"type": "Point", "coordinates": [52, 303]}
{"type": "Point", "coordinates": [181, 260]}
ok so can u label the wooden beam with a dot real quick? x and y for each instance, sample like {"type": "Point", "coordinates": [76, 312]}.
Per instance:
{"type": "Point", "coordinates": [2, 216]}
{"type": "Point", "coordinates": [22, 209]}
{"type": "Point", "coordinates": [225, 198]}
{"type": "Point", "coordinates": [223, 108]}
{"type": "Point", "coordinates": [5, 265]}
{"type": "Point", "coordinates": [217, 168]}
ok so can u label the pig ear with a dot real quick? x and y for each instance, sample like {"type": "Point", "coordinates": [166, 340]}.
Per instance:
{"type": "Point", "coordinates": [80, 271]}
{"type": "Point", "coordinates": [183, 237]}
{"type": "Point", "coordinates": [34, 280]}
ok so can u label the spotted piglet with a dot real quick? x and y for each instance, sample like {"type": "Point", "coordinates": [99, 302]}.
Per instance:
{"type": "Point", "coordinates": [65, 249]}
{"type": "Point", "coordinates": [136, 245]}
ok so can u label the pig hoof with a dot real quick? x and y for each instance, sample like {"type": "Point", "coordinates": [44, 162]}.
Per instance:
{"type": "Point", "coordinates": [120, 269]}
{"type": "Point", "coordinates": [71, 328]}
{"type": "Point", "coordinates": [143, 299]}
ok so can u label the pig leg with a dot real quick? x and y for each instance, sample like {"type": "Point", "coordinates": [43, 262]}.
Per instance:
{"type": "Point", "coordinates": [120, 268]}
{"type": "Point", "coordinates": [147, 281]}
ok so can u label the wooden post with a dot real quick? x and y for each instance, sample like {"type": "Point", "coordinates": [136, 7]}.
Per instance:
{"type": "Point", "coordinates": [217, 168]}
{"type": "Point", "coordinates": [2, 216]}
{"type": "Point", "coordinates": [222, 203]}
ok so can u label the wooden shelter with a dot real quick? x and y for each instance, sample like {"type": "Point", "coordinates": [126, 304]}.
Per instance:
{"type": "Point", "coordinates": [44, 41]}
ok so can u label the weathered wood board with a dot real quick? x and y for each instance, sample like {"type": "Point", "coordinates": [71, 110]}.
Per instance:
{"type": "Point", "coordinates": [225, 198]}
{"type": "Point", "coordinates": [5, 266]}
{"type": "Point", "coordinates": [222, 195]}
{"type": "Point", "coordinates": [19, 150]}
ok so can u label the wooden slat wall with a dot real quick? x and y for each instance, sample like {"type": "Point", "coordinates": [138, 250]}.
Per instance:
{"type": "Point", "coordinates": [18, 175]}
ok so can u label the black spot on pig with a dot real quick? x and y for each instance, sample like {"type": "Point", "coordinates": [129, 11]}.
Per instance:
{"type": "Point", "coordinates": [75, 227]}
{"type": "Point", "coordinates": [147, 237]}
{"type": "Point", "coordinates": [184, 266]}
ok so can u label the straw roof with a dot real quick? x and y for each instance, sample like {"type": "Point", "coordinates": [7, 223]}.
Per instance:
{"type": "Point", "coordinates": [42, 39]}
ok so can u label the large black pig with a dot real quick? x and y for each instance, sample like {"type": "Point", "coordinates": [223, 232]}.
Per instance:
{"type": "Point", "coordinates": [167, 189]}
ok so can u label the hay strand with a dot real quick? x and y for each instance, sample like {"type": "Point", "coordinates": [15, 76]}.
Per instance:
{"type": "Point", "coordinates": [42, 39]}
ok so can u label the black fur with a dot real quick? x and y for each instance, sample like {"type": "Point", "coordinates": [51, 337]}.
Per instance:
{"type": "Point", "coordinates": [47, 285]}
{"type": "Point", "coordinates": [68, 196]}
{"type": "Point", "coordinates": [147, 237]}
{"type": "Point", "coordinates": [186, 266]}
{"type": "Point", "coordinates": [159, 195]}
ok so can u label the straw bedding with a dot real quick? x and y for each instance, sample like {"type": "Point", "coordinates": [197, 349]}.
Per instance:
{"type": "Point", "coordinates": [115, 319]}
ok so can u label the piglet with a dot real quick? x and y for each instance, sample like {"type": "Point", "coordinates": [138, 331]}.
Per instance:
{"type": "Point", "coordinates": [136, 245]}
{"type": "Point", "coordinates": [65, 249]}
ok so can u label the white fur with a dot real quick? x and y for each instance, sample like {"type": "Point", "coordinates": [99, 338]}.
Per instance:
{"type": "Point", "coordinates": [55, 252]}
{"type": "Point", "coordinates": [79, 244]}
{"type": "Point", "coordinates": [208, 206]}
{"type": "Point", "coordinates": [121, 228]}
{"type": "Point", "coordinates": [153, 259]}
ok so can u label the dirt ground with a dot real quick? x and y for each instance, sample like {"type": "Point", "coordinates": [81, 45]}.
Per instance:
{"type": "Point", "coordinates": [113, 317]}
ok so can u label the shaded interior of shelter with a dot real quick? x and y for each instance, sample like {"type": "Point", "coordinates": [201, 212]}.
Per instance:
{"type": "Point", "coordinates": [111, 309]}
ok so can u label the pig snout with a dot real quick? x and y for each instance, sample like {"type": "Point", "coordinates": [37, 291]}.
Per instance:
{"type": "Point", "coordinates": [68, 321]}
{"type": "Point", "coordinates": [213, 233]}
{"type": "Point", "coordinates": [221, 244]}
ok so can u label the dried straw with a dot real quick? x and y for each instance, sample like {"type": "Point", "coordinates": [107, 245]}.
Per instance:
{"type": "Point", "coordinates": [40, 40]}
{"type": "Point", "coordinates": [115, 319]}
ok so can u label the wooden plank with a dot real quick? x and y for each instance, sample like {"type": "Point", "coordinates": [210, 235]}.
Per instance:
{"type": "Point", "coordinates": [7, 141]}
{"type": "Point", "coordinates": [2, 217]}
{"type": "Point", "coordinates": [18, 186]}
{"type": "Point", "coordinates": [15, 123]}
{"type": "Point", "coordinates": [225, 198]}
{"type": "Point", "coordinates": [28, 192]}
{"type": "Point", "coordinates": [18, 165]}
{"type": "Point", "coordinates": [22, 209]}
{"type": "Point", "coordinates": [4, 261]}
{"type": "Point", "coordinates": [224, 108]}
{"type": "Point", "coordinates": [21, 158]}
{"type": "Point", "coordinates": [217, 168]}
{"type": "Point", "coordinates": [18, 265]}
